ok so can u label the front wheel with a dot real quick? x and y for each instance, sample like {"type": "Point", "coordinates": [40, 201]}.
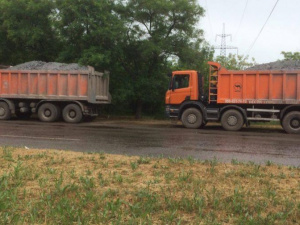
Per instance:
{"type": "Point", "coordinates": [232, 120]}
{"type": "Point", "coordinates": [192, 118]}
{"type": "Point", "coordinates": [291, 122]}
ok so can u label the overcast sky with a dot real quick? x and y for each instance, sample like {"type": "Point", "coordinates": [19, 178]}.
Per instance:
{"type": "Point", "coordinates": [281, 33]}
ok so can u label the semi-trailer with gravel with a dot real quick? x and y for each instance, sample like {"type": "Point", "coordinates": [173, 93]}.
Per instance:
{"type": "Point", "coordinates": [235, 98]}
{"type": "Point", "coordinates": [51, 93]}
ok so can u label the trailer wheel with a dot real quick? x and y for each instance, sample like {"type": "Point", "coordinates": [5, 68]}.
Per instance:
{"type": "Point", "coordinates": [47, 112]}
{"type": "Point", "coordinates": [192, 118]}
{"type": "Point", "coordinates": [5, 113]}
{"type": "Point", "coordinates": [291, 122]}
{"type": "Point", "coordinates": [72, 113]}
{"type": "Point", "coordinates": [232, 120]}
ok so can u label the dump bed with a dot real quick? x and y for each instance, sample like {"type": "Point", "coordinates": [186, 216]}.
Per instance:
{"type": "Point", "coordinates": [254, 87]}
{"type": "Point", "coordinates": [87, 85]}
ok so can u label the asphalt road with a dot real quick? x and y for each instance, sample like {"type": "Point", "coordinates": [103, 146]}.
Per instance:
{"type": "Point", "coordinates": [121, 137]}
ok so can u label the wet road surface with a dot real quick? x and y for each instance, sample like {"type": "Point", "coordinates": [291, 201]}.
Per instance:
{"type": "Point", "coordinates": [257, 145]}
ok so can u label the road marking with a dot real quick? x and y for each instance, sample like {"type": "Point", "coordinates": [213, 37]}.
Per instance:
{"type": "Point", "coordinates": [40, 138]}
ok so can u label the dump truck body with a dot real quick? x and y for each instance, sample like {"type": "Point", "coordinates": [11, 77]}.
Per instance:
{"type": "Point", "coordinates": [25, 91]}
{"type": "Point", "coordinates": [235, 98]}
{"type": "Point", "coordinates": [258, 87]}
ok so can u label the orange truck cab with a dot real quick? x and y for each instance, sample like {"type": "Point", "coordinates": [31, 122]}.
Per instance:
{"type": "Point", "coordinates": [235, 98]}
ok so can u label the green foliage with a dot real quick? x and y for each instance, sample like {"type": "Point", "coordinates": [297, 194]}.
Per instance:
{"type": "Point", "coordinates": [156, 31]}
{"type": "Point", "coordinates": [26, 31]}
{"type": "Point", "coordinates": [138, 41]}
{"type": "Point", "coordinates": [235, 62]}
{"type": "Point", "coordinates": [291, 55]}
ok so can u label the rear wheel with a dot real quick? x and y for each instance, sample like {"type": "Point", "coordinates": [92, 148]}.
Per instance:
{"type": "Point", "coordinates": [232, 120]}
{"type": "Point", "coordinates": [5, 113]}
{"type": "Point", "coordinates": [192, 118]}
{"type": "Point", "coordinates": [291, 122]}
{"type": "Point", "coordinates": [72, 113]}
{"type": "Point", "coordinates": [48, 112]}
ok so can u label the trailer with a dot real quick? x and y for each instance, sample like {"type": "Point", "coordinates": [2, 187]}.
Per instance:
{"type": "Point", "coordinates": [50, 94]}
{"type": "Point", "coordinates": [235, 98]}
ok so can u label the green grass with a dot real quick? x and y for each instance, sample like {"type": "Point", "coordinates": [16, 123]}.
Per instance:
{"type": "Point", "coordinates": [56, 187]}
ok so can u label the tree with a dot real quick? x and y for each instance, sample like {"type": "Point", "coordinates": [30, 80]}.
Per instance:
{"type": "Point", "coordinates": [291, 55]}
{"type": "Point", "coordinates": [26, 31]}
{"type": "Point", "coordinates": [235, 62]}
{"type": "Point", "coordinates": [157, 30]}
{"type": "Point", "coordinates": [89, 30]}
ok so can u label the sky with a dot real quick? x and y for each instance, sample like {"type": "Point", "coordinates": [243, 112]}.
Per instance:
{"type": "Point", "coordinates": [281, 33]}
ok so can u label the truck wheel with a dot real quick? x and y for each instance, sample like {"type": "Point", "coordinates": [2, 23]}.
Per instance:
{"type": "Point", "coordinates": [72, 113]}
{"type": "Point", "coordinates": [291, 122]}
{"type": "Point", "coordinates": [232, 120]}
{"type": "Point", "coordinates": [47, 112]}
{"type": "Point", "coordinates": [192, 118]}
{"type": "Point", "coordinates": [5, 113]}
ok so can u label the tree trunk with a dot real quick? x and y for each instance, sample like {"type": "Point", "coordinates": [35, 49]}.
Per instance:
{"type": "Point", "coordinates": [138, 109]}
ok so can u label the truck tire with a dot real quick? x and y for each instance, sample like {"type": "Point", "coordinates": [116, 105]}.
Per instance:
{"type": "Point", "coordinates": [5, 113]}
{"type": "Point", "coordinates": [232, 120]}
{"type": "Point", "coordinates": [192, 118]}
{"type": "Point", "coordinates": [47, 112]}
{"type": "Point", "coordinates": [72, 113]}
{"type": "Point", "coordinates": [291, 122]}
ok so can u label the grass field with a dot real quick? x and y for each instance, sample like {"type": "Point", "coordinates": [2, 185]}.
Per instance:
{"type": "Point", "coordinates": [58, 187]}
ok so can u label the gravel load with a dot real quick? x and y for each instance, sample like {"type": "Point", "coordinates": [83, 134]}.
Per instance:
{"type": "Point", "coordinates": [39, 65]}
{"type": "Point", "coordinates": [278, 65]}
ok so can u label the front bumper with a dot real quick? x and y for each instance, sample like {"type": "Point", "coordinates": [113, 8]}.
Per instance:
{"type": "Point", "coordinates": [171, 111]}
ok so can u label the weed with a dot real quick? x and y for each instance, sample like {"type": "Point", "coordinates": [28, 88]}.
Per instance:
{"type": "Point", "coordinates": [143, 160]}
{"type": "Point", "coordinates": [134, 165]}
{"type": "Point", "coordinates": [235, 162]}
{"type": "Point", "coordinates": [7, 153]}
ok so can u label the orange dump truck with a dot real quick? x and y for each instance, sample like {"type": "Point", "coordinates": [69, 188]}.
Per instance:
{"type": "Point", "coordinates": [235, 98]}
{"type": "Point", "coordinates": [52, 94]}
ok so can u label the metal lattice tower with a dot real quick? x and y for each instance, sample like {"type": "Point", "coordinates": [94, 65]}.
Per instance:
{"type": "Point", "coordinates": [223, 47]}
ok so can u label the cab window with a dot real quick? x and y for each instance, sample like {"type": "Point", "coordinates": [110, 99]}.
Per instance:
{"type": "Point", "coordinates": [181, 81]}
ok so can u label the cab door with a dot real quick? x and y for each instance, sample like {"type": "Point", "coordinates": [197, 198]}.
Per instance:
{"type": "Point", "coordinates": [181, 89]}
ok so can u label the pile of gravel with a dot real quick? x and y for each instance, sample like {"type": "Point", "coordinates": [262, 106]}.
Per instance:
{"type": "Point", "coordinates": [278, 65]}
{"type": "Point", "coordinates": [39, 65]}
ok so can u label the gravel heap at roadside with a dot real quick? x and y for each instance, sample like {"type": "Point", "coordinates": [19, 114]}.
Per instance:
{"type": "Point", "coordinates": [39, 65]}
{"type": "Point", "coordinates": [278, 65]}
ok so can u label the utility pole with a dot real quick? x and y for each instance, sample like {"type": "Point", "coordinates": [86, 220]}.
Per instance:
{"type": "Point", "coordinates": [223, 47]}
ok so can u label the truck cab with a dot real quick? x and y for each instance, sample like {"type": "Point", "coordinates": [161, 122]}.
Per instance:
{"type": "Point", "coordinates": [186, 88]}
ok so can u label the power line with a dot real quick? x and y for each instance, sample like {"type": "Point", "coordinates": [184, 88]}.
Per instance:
{"type": "Point", "coordinates": [239, 27]}
{"type": "Point", "coordinates": [262, 28]}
